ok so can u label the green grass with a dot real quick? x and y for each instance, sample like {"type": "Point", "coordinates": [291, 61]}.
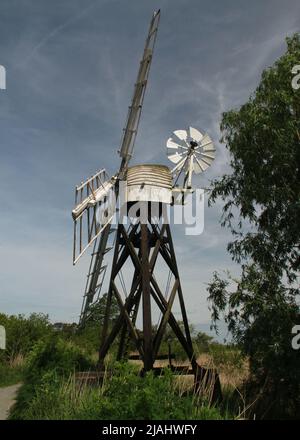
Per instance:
{"type": "Point", "coordinates": [10, 375]}
{"type": "Point", "coordinates": [125, 396]}
{"type": "Point", "coordinates": [50, 391]}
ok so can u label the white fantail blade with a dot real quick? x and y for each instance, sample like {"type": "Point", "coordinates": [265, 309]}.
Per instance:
{"type": "Point", "coordinates": [172, 144]}
{"type": "Point", "coordinates": [175, 150]}
{"type": "Point", "coordinates": [198, 168]}
{"type": "Point", "coordinates": [203, 162]}
{"type": "Point", "coordinates": [205, 154]}
{"type": "Point", "coordinates": [181, 134]}
{"type": "Point", "coordinates": [208, 156]}
{"type": "Point", "coordinates": [175, 157]}
{"type": "Point", "coordinates": [191, 151]}
{"type": "Point", "coordinates": [208, 148]}
{"type": "Point", "coordinates": [190, 171]}
{"type": "Point", "coordinates": [204, 165]}
{"type": "Point", "coordinates": [206, 143]}
{"type": "Point", "coordinates": [200, 165]}
{"type": "Point", "coordinates": [179, 165]}
{"type": "Point", "coordinates": [195, 134]}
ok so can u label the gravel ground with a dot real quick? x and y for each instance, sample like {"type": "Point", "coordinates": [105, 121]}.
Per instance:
{"type": "Point", "coordinates": [7, 399]}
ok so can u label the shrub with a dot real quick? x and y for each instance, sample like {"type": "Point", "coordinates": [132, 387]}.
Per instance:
{"type": "Point", "coordinates": [223, 355]}
{"type": "Point", "coordinates": [22, 333]}
{"type": "Point", "coordinates": [125, 396]}
{"type": "Point", "coordinates": [48, 363]}
{"type": "Point", "coordinates": [9, 375]}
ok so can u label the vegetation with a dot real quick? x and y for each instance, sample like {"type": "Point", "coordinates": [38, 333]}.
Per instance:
{"type": "Point", "coordinates": [10, 375]}
{"type": "Point", "coordinates": [262, 210]}
{"type": "Point", "coordinates": [21, 335]}
{"type": "Point", "coordinates": [47, 361]}
{"type": "Point", "coordinates": [50, 391]}
{"type": "Point", "coordinates": [87, 336]}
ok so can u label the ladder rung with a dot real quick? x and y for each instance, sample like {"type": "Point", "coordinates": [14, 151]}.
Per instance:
{"type": "Point", "coordinates": [129, 129]}
{"type": "Point", "coordinates": [152, 32]}
{"type": "Point", "coordinates": [100, 271]}
{"type": "Point", "coordinates": [148, 56]}
{"type": "Point", "coordinates": [141, 83]}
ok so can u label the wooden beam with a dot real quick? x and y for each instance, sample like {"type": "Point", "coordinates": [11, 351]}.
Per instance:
{"type": "Point", "coordinates": [131, 328]}
{"type": "Point", "coordinates": [147, 323]}
{"type": "Point", "coordinates": [164, 320]}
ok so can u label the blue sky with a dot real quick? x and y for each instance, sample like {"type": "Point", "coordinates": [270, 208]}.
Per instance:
{"type": "Point", "coordinates": [71, 65]}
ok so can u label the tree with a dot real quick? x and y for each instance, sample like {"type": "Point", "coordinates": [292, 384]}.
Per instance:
{"type": "Point", "coordinates": [262, 209]}
{"type": "Point", "coordinates": [89, 334]}
{"type": "Point", "coordinates": [97, 311]}
{"type": "Point", "coordinates": [22, 333]}
{"type": "Point", "coordinates": [202, 341]}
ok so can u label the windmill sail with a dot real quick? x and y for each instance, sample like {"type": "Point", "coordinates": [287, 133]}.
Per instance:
{"type": "Point", "coordinates": [94, 210]}
{"type": "Point", "coordinates": [99, 235]}
{"type": "Point", "coordinates": [135, 109]}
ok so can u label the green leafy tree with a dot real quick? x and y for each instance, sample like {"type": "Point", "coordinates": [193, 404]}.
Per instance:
{"type": "Point", "coordinates": [89, 334]}
{"type": "Point", "coordinates": [202, 341]}
{"type": "Point", "coordinates": [262, 209]}
{"type": "Point", "coordinates": [22, 333]}
{"type": "Point", "coordinates": [97, 311]}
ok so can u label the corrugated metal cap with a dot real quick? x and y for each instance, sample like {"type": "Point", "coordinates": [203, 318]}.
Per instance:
{"type": "Point", "coordinates": [152, 174]}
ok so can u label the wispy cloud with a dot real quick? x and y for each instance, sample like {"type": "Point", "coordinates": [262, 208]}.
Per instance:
{"type": "Point", "coordinates": [58, 29]}
{"type": "Point", "coordinates": [70, 73]}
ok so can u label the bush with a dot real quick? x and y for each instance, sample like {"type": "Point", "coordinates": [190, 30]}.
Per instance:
{"type": "Point", "coordinates": [48, 363]}
{"type": "Point", "coordinates": [55, 354]}
{"type": "Point", "coordinates": [226, 355]}
{"type": "Point", "coordinates": [124, 396]}
{"type": "Point", "coordinates": [10, 375]}
{"type": "Point", "coordinates": [22, 333]}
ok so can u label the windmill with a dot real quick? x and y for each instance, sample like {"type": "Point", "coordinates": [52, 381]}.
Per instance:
{"type": "Point", "coordinates": [147, 191]}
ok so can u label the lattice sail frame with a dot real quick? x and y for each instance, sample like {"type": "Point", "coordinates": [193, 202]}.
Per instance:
{"type": "Point", "coordinates": [94, 209]}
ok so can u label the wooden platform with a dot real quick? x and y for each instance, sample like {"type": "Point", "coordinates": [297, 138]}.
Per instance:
{"type": "Point", "coordinates": [203, 378]}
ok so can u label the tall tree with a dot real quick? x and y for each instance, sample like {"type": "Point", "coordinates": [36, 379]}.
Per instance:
{"type": "Point", "coordinates": [262, 209]}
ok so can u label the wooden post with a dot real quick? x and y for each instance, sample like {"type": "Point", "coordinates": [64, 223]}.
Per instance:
{"type": "Point", "coordinates": [147, 323]}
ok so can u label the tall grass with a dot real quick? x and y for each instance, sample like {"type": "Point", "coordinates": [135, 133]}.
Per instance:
{"type": "Point", "coordinates": [11, 370]}
{"type": "Point", "coordinates": [125, 396]}
{"type": "Point", "coordinates": [52, 391]}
